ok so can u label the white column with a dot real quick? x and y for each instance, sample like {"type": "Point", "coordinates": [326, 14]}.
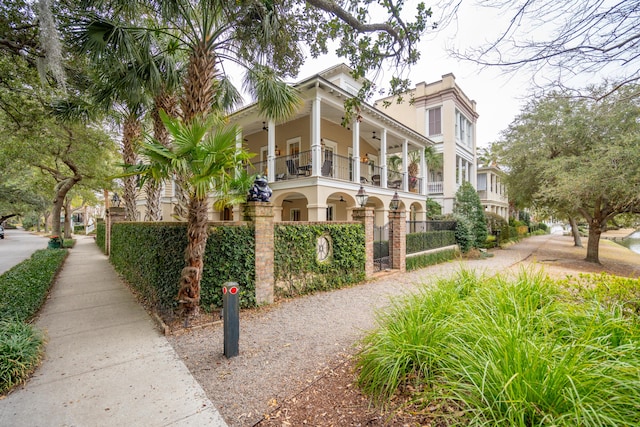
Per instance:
{"type": "Point", "coordinates": [383, 158]}
{"type": "Point", "coordinates": [271, 152]}
{"type": "Point", "coordinates": [356, 151]}
{"type": "Point", "coordinates": [316, 149]}
{"type": "Point", "coordinates": [405, 165]}
{"type": "Point", "coordinates": [459, 171]}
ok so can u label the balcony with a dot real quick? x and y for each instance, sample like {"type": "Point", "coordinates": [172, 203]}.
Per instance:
{"type": "Point", "coordinates": [300, 166]}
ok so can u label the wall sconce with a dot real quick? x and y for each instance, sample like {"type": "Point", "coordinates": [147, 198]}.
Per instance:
{"type": "Point", "coordinates": [395, 202]}
{"type": "Point", "coordinates": [277, 151]}
{"type": "Point", "coordinates": [264, 126]}
{"type": "Point", "coordinates": [362, 196]}
{"type": "Point", "coordinates": [365, 159]}
{"type": "Point", "coordinates": [115, 200]}
{"type": "Point", "coordinates": [374, 136]}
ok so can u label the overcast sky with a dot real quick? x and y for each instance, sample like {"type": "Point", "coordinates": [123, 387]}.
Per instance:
{"type": "Point", "coordinates": [499, 98]}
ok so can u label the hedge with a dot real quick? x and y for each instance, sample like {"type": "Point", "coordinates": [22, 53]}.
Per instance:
{"type": "Point", "coordinates": [24, 287]}
{"type": "Point", "coordinates": [150, 256]}
{"type": "Point", "coordinates": [297, 269]}
{"type": "Point", "coordinates": [421, 261]}
{"type": "Point", "coordinates": [101, 231]}
{"type": "Point", "coordinates": [418, 242]}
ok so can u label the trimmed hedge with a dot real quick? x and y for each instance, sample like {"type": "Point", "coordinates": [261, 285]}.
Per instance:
{"type": "Point", "coordinates": [418, 242]}
{"type": "Point", "coordinates": [297, 269]}
{"type": "Point", "coordinates": [101, 231]}
{"type": "Point", "coordinates": [151, 256]}
{"type": "Point", "coordinates": [24, 287]}
{"type": "Point", "coordinates": [421, 261]}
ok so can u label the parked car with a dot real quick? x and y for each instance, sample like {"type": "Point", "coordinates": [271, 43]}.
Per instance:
{"type": "Point", "coordinates": [1, 232]}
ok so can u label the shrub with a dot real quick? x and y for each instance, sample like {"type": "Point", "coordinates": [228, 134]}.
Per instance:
{"type": "Point", "coordinates": [20, 352]}
{"type": "Point", "coordinates": [24, 287]}
{"type": "Point", "coordinates": [101, 231]}
{"type": "Point", "coordinates": [418, 242]}
{"type": "Point", "coordinates": [467, 204]}
{"type": "Point", "coordinates": [465, 236]}
{"type": "Point", "coordinates": [534, 356]}
{"type": "Point", "coordinates": [150, 256]}
{"type": "Point", "coordinates": [420, 261]}
{"type": "Point", "coordinates": [297, 269]}
{"type": "Point", "coordinates": [78, 229]}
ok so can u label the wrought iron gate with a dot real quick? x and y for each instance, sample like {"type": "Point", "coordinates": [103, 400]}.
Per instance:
{"type": "Point", "coordinates": [381, 259]}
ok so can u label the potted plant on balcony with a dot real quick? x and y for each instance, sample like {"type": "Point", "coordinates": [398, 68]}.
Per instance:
{"type": "Point", "coordinates": [55, 242]}
{"type": "Point", "coordinates": [412, 168]}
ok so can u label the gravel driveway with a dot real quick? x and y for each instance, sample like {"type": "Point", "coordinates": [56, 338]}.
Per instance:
{"type": "Point", "coordinates": [283, 347]}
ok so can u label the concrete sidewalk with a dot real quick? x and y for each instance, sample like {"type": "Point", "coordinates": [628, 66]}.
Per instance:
{"type": "Point", "coordinates": [105, 362]}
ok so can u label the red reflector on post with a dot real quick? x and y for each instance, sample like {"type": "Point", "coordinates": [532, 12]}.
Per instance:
{"type": "Point", "coordinates": [233, 290]}
{"type": "Point", "coordinates": [224, 290]}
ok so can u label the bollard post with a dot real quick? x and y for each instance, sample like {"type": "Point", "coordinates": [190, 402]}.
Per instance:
{"type": "Point", "coordinates": [231, 318]}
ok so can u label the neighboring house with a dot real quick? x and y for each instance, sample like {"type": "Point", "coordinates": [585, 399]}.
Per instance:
{"type": "Point", "coordinates": [315, 166]}
{"type": "Point", "coordinates": [492, 192]}
{"type": "Point", "coordinates": [442, 112]}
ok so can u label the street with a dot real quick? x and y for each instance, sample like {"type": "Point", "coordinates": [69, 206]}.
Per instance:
{"type": "Point", "coordinates": [17, 246]}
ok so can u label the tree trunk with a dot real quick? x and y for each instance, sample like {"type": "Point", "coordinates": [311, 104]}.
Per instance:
{"type": "Point", "coordinates": [167, 103]}
{"type": "Point", "coordinates": [46, 216]}
{"type": "Point", "coordinates": [62, 188]}
{"type": "Point", "coordinates": [153, 190]}
{"type": "Point", "coordinates": [197, 225]}
{"type": "Point", "coordinates": [67, 218]}
{"type": "Point", "coordinates": [132, 133]}
{"type": "Point", "coordinates": [577, 241]}
{"type": "Point", "coordinates": [593, 244]}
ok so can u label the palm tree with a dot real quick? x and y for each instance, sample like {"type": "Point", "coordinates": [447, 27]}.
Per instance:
{"type": "Point", "coordinates": [205, 157]}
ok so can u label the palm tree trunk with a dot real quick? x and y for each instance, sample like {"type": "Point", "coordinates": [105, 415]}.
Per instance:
{"type": "Point", "coordinates": [197, 225]}
{"type": "Point", "coordinates": [131, 136]}
{"type": "Point", "coordinates": [197, 101]}
{"type": "Point", "coordinates": [153, 191]}
{"type": "Point", "coordinates": [200, 82]}
{"type": "Point", "coordinates": [167, 103]}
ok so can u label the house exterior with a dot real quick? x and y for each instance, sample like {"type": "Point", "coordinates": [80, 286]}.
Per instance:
{"type": "Point", "coordinates": [492, 192]}
{"type": "Point", "coordinates": [443, 113]}
{"type": "Point", "coordinates": [315, 165]}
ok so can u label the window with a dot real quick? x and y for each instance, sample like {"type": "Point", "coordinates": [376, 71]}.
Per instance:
{"type": "Point", "coordinates": [464, 129]}
{"type": "Point", "coordinates": [435, 121]}
{"type": "Point", "coordinates": [293, 146]}
{"type": "Point", "coordinates": [294, 215]}
{"type": "Point", "coordinates": [482, 182]}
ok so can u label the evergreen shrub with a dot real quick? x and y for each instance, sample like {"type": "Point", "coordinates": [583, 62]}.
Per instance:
{"type": "Point", "coordinates": [418, 242]}
{"type": "Point", "coordinates": [151, 256]}
{"type": "Point", "coordinates": [425, 260]}
{"type": "Point", "coordinates": [297, 269]}
{"type": "Point", "coordinates": [101, 231]}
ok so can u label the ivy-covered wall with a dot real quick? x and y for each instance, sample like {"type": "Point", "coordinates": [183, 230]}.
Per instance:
{"type": "Point", "coordinates": [297, 268]}
{"type": "Point", "coordinates": [151, 256]}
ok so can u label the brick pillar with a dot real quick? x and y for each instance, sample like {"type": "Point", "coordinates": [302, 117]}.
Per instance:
{"type": "Point", "coordinates": [261, 214]}
{"type": "Point", "coordinates": [114, 214]}
{"type": "Point", "coordinates": [365, 216]}
{"type": "Point", "coordinates": [398, 240]}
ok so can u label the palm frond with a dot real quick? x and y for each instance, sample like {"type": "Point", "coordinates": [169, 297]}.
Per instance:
{"type": "Point", "coordinates": [276, 99]}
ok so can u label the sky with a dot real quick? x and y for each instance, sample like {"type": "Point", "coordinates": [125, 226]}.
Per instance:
{"type": "Point", "coordinates": [499, 98]}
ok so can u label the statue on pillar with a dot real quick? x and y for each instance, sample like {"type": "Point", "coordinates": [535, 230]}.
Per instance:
{"type": "Point", "coordinates": [260, 191]}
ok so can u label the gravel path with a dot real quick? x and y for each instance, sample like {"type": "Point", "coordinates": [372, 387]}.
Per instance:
{"type": "Point", "coordinates": [284, 347]}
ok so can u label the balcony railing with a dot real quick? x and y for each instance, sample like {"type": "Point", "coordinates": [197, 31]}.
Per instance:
{"type": "Point", "coordinates": [296, 166]}
{"type": "Point", "coordinates": [435, 187]}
